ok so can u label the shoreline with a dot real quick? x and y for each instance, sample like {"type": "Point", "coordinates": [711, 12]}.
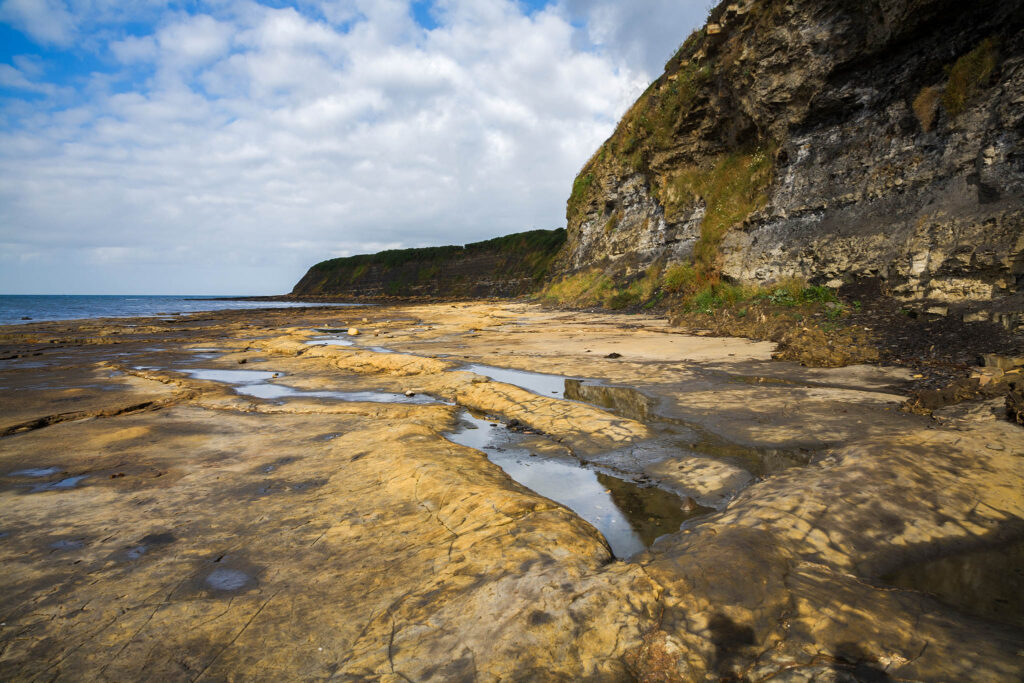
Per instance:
{"type": "Point", "coordinates": [822, 497]}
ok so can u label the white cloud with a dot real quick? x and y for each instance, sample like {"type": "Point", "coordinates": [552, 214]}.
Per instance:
{"type": "Point", "coordinates": [47, 21]}
{"type": "Point", "coordinates": [642, 33]}
{"type": "Point", "coordinates": [18, 80]}
{"type": "Point", "coordinates": [135, 49]}
{"type": "Point", "coordinates": [264, 140]}
{"type": "Point", "coordinates": [194, 40]}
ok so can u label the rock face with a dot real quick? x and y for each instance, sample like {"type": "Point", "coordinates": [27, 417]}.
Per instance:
{"type": "Point", "coordinates": [504, 266]}
{"type": "Point", "coordinates": [824, 139]}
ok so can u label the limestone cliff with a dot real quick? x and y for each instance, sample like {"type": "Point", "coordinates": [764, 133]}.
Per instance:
{"type": "Point", "coordinates": [828, 139]}
{"type": "Point", "coordinates": [504, 266]}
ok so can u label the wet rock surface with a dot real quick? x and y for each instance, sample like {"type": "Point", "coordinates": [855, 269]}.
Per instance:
{"type": "Point", "coordinates": [210, 533]}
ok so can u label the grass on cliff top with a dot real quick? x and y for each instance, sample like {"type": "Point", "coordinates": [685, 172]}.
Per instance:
{"type": "Point", "coordinates": [546, 241]}
{"type": "Point", "coordinates": [520, 255]}
{"type": "Point", "coordinates": [647, 128]}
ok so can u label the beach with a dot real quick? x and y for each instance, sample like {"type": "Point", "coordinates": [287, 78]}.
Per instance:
{"type": "Point", "coordinates": [317, 493]}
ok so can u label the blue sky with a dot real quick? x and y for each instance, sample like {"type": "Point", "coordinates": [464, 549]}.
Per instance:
{"type": "Point", "coordinates": [224, 146]}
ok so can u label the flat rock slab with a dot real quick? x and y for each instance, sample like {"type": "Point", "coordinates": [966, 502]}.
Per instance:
{"type": "Point", "coordinates": [208, 533]}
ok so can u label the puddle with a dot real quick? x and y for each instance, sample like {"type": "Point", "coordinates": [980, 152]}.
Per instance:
{"type": "Point", "coordinates": [232, 376]}
{"type": "Point", "coordinates": [635, 405]}
{"type": "Point", "coordinates": [67, 544]}
{"type": "Point", "coordinates": [330, 342]}
{"type": "Point", "coordinates": [63, 484]}
{"type": "Point", "coordinates": [267, 469]}
{"type": "Point", "coordinates": [629, 516]}
{"type": "Point", "coordinates": [227, 579]}
{"type": "Point", "coordinates": [135, 553]}
{"type": "Point", "coordinates": [256, 383]}
{"type": "Point", "coordinates": [379, 349]}
{"type": "Point", "coordinates": [36, 472]}
{"type": "Point", "coordinates": [538, 383]}
{"type": "Point", "coordinates": [987, 583]}
{"type": "Point", "coordinates": [279, 391]}
{"type": "Point", "coordinates": [622, 401]}
{"type": "Point", "coordinates": [326, 437]}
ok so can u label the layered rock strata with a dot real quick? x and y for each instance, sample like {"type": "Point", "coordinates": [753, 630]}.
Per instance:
{"type": "Point", "coordinates": [826, 140]}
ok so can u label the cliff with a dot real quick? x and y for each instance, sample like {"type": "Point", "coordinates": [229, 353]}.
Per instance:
{"type": "Point", "coordinates": [827, 139]}
{"type": "Point", "coordinates": [503, 266]}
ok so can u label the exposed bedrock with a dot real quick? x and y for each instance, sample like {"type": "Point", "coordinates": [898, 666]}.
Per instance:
{"type": "Point", "coordinates": [879, 139]}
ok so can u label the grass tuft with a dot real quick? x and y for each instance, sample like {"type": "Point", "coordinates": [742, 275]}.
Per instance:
{"type": "Point", "coordinates": [732, 189]}
{"type": "Point", "coordinates": [969, 75]}
{"type": "Point", "coordinates": [926, 105]}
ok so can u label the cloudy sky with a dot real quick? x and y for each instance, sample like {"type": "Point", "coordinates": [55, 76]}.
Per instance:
{"type": "Point", "coordinates": [224, 146]}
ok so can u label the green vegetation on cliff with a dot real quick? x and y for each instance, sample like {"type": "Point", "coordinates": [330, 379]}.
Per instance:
{"type": "Point", "coordinates": [731, 189]}
{"type": "Point", "coordinates": [966, 78]}
{"type": "Point", "coordinates": [969, 75]}
{"type": "Point", "coordinates": [693, 155]}
{"type": "Point", "coordinates": [512, 264]}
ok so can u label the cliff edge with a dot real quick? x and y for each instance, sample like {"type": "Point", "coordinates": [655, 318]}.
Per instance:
{"type": "Point", "coordinates": [830, 140]}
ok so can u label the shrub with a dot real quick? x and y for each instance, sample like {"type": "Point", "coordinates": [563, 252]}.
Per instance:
{"type": "Point", "coordinates": [643, 289]}
{"type": "Point", "coordinates": [819, 294]}
{"type": "Point", "coordinates": [359, 271]}
{"type": "Point", "coordinates": [925, 106]}
{"type": "Point", "coordinates": [580, 195]}
{"type": "Point", "coordinates": [613, 222]}
{"type": "Point", "coordinates": [586, 288]}
{"type": "Point", "coordinates": [969, 75]}
{"type": "Point", "coordinates": [679, 278]}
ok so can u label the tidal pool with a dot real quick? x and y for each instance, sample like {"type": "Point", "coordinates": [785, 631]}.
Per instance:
{"type": "Point", "coordinates": [330, 342]}
{"type": "Point", "coordinates": [538, 383]}
{"type": "Point", "coordinates": [62, 485]}
{"type": "Point", "coordinates": [629, 516]}
{"type": "Point", "coordinates": [636, 405]}
{"type": "Point", "coordinates": [257, 383]}
{"type": "Point", "coordinates": [35, 472]}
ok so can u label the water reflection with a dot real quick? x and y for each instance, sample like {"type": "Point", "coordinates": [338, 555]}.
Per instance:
{"type": "Point", "coordinates": [629, 516]}
{"type": "Point", "coordinates": [538, 383]}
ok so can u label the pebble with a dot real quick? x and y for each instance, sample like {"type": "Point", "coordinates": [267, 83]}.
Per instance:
{"type": "Point", "coordinates": [995, 446]}
{"type": "Point", "coordinates": [353, 331]}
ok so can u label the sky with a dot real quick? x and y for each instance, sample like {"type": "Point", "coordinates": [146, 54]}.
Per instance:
{"type": "Point", "coordinates": [224, 146]}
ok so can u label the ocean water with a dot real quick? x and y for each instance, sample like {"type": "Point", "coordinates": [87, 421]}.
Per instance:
{"type": "Point", "coordinates": [16, 308]}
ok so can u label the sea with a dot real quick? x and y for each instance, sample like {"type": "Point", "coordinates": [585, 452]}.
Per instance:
{"type": "Point", "coordinates": [23, 308]}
